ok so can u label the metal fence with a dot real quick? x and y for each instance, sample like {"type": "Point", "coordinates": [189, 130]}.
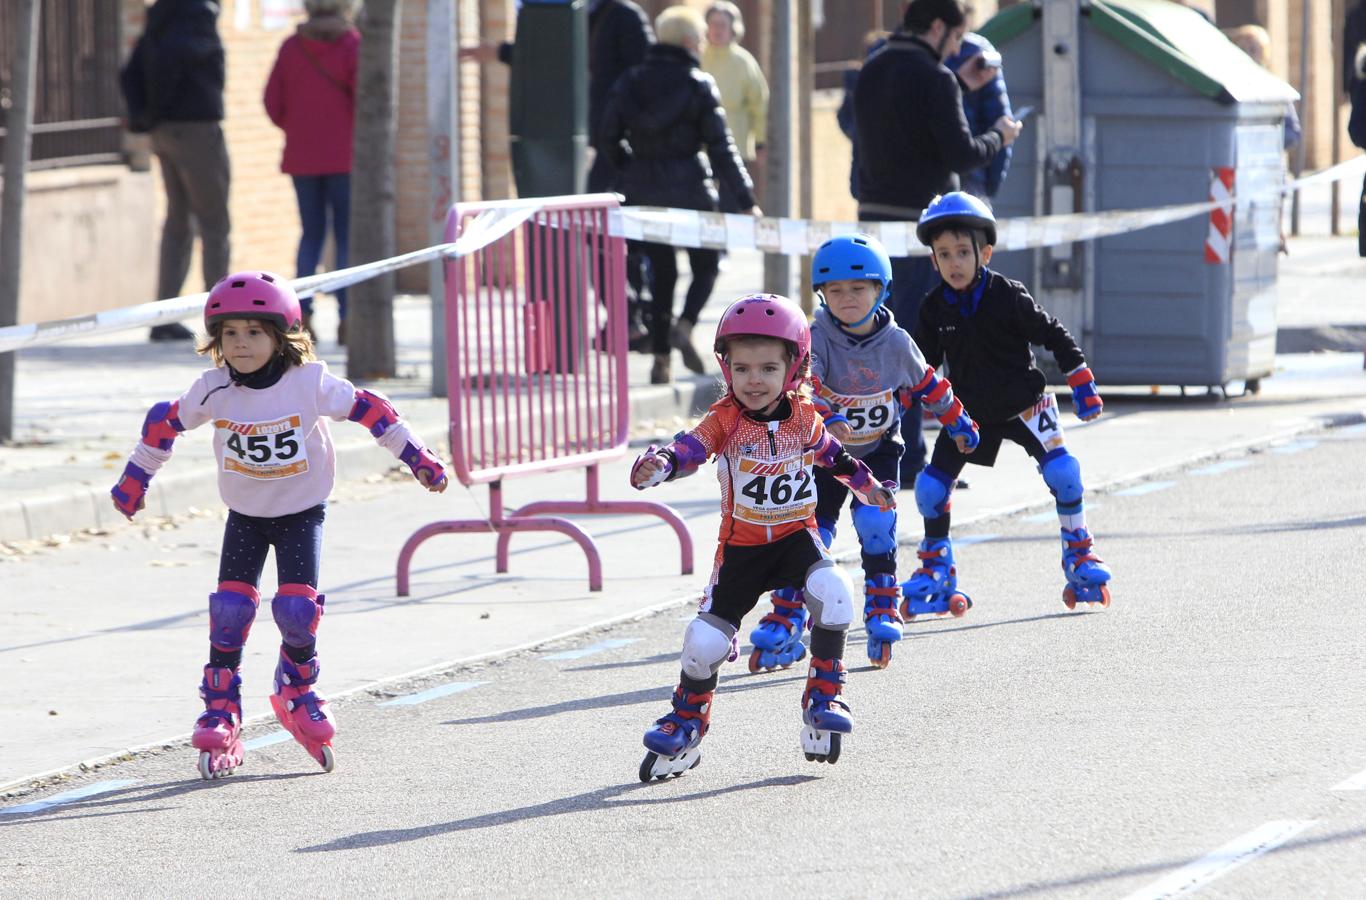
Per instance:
{"type": "Point", "coordinates": [78, 109]}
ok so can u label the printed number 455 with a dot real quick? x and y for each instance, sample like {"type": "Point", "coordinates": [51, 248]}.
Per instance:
{"type": "Point", "coordinates": [259, 447]}
{"type": "Point", "coordinates": [782, 489]}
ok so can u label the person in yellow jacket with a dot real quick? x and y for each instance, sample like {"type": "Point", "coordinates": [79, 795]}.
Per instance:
{"type": "Point", "coordinates": [744, 90]}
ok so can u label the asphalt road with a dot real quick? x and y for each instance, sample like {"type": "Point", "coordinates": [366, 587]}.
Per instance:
{"type": "Point", "coordinates": [1206, 731]}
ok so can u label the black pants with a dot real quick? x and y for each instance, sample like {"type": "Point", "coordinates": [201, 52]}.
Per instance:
{"type": "Point", "coordinates": [746, 573]}
{"type": "Point", "coordinates": [297, 539]}
{"type": "Point", "coordinates": [706, 265]}
{"type": "Point", "coordinates": [1361, 222]}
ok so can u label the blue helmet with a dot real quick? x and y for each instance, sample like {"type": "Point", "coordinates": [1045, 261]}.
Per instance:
{"type": "Point", "coordinates": [958, 209]}
{"type": "Point", "coordinates": [853, 257]}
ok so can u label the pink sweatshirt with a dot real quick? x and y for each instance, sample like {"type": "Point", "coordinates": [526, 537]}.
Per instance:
{"type": "Point", "coordinates": [274, 451]}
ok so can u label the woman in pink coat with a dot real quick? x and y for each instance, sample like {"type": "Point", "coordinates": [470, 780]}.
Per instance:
{"type": "Point", "coordinates": [311, 94]}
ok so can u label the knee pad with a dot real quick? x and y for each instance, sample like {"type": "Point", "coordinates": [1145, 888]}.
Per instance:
{"type": "Point", "coordinates": [1062, 473]}
{"type": "Point", "coordinates": [876, 529]}
{"type": "Point", "coordinates": [232, 609]}
{"type": "Point", "coordinates": [826, 527]}
{"type": "Point", "coordinates": [933, 489]}
{"type": "Point", "coordinates": [297, 609]}
{"type": "Point", "coordinates": [706, 644]}
{"type": "Point", "coordinates": [830, 596]}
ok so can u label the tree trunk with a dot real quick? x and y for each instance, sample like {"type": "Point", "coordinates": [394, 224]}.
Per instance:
{"type": "Point", "coordinates": [370, 330]}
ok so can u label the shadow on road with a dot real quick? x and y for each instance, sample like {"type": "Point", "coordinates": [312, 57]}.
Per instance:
{"type": "Point", "coordinates": [140, 793]}
{"type": "Point", "coordinates": [603, 798]}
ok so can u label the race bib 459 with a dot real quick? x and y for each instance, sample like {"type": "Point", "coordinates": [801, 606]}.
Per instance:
{"type": "Point", "coordinates": [264, 449]}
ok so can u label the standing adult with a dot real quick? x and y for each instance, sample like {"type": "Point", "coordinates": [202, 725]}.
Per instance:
{"type": "Point", "coordinates": [173, 87]}
{"type": "Point", "coordinates": [981, 108]}
{"type": "Point", "coordinates": [661, 125]}
{"type": "Point", "coordinates": [311, 95]}
{"type": "Point", "coordinates": [913, 142]}
{"type": "Point", "coordinates": [1356, 129]}
{"type": "Point", "coordinates": [744, 90]}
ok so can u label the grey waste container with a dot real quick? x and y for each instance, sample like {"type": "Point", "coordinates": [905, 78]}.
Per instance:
{"type": "Point", "coordinates": [548, 98]}
{"type": "Point", "coordinates": [1170, 111]}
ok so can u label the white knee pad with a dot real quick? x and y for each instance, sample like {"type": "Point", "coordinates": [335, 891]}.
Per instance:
{"type": "Point", "coordinates": [830, 597]}
{"type": "Point", "coordinates": [705, 646]}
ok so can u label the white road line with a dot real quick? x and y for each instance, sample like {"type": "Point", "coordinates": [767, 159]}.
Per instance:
{"type": "Point", "coordinates": [265, 740]}
{"type": "Point", "coordinates": [599, 647]}
{"type": "Point", "coordinates": [974, 539]}
{"type": "Point", "coordinates": [1295, 447]}
{"type": "Point", "coordinates": [1355, 783]}
{"type": "Point", "coordinates": [1191, 878]}
{"type": "Point", "coordinates": [1051, 515]}
{"type": "Point", "coordinates": [1219, 468]}
{"type": "Point", "coordinates": [1349, 431]}
{"type": "Point", "coordinates": [441, 690]}
{"type": "Point", "coordinates": [1146, 487]}
{"type": "Point", "coordinates": [80, 793]}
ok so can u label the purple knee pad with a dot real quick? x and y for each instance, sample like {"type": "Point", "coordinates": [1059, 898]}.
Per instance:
{"type": "Point", "coordinates": [297, 609]}
{"type": "Point", "coordinates": [232, 609]}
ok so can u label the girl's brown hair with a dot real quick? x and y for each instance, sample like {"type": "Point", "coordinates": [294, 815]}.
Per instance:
{"type": "Point", "coordinates": [294, 346]}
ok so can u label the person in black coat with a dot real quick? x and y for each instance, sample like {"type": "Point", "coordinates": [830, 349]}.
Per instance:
{"type": "Point", "coordinates": [913, 140]}
{"type": "Point", "coordinates": [661, 125]}
{"type": "Point", "coordinates": [1356, 128]}
{"type": "Point", "coordinates": [173, 87]}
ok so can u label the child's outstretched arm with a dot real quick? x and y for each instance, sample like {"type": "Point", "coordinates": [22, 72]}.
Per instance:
{"type": "Point", "coordinates": [1085, 398]}
{"type": "Point", "coordinates": [375, 412]}
{"type": "Point", "coordinates": [1043, 329]}
{"type": "Point", "coordinates": [937, 395]}
{"type": "Point", "coordinates": [163, 424]}
{"type": "Point", "coordinates": [836, 422]}
{"type": "Point", "coordinates": [852, 473]}
{"type": "Point", "coordinates": [688, 451]}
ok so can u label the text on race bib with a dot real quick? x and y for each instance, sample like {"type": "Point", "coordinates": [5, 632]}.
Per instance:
{"type": "Point", "coordinates": [1042, 419]}
{"type": "Point", "coordinates": [770, 492]}
{"type": "Point", "coordinates": [264, 449]}
{"type": "Point", "coordinates": [869, 415]}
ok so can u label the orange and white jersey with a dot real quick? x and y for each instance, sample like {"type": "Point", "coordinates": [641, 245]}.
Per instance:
{"type": "Point", "coordinates": [765, 469]}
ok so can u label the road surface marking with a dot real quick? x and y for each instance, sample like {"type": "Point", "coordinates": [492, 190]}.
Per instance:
{"type": "Point", "coordinates": [1052, 514]}
{"type": "Point", "coordinates": [1295, 447]}
{"type": "Point", "coordinates": [1189, 879]}
{"type": "Point", "coordinates": [1146, 487]}
{"type": "Point", "coordinates": [441, 690]}
{"type": "Point", "coordinates": [1355, 783]}
{"type": "Point", "coordinates": [599, 647]}
{"type": "Point", "coordinates": [974, 539]}
{"type": "Point", "coordinates": [265, 740]}
{"type": "Point", "coordinates": [1219, 468]}
{"type": "Point", "coordinates": [80, 793]}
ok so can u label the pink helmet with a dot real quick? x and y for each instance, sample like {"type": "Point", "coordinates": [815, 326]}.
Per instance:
{"type": "Point", "coordinates": [254, 295]}
{"type": "Point", "coordinates": [766, 315]}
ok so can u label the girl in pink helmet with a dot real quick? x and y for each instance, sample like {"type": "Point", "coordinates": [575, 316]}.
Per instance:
{"type": "Point", "coordinates": [765, 435]}
{"type": "Point", "coordinates": [269, 400]}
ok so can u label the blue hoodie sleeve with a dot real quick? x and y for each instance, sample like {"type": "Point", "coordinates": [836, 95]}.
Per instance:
{"type": "Point", "coordinates": [991, 103]}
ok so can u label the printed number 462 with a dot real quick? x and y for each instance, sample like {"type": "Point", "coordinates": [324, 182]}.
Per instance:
{"type": "Point", "coordinates": [780, 490]}
{"type": "Point", "coordinates": [258, 446]}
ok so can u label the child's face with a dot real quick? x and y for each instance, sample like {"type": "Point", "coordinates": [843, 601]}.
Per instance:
{"type": "Point", "coordinates": [247, 344]}
{"type": "Point", "coordinates": [955, 260]}
{"type": "Point", "coordinates": [851, 300]}
{"type": "Point", "coordinates": [758, 370]}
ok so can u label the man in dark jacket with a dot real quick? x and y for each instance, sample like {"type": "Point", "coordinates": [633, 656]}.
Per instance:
{"type": "Point", "coordinates": [173, 86]}
{"type": "Point", "coordinates": [913, 141]}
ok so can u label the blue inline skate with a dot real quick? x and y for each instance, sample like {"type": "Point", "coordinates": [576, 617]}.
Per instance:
{"type": "Point", "coordinates": [673, 740]}
{"type": "Point", "coordinates": [933, 588]}
{"type": "Point", "coordinates": [880, 617]}
{"type": "Point", "coordinates": [777, 639]}
{"type": "Point", "coordinates": [825, 715]}
{"type": "Point", "coordinates": [1087, 576]}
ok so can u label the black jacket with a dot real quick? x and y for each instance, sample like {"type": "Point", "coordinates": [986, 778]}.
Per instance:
{"type": "Point", "coordinates": [619, 33]}
{"type": "Point", "coordinates": [661, 124]}
{"type": "Point", "coordinates": [991, 363]}
{"type": "Point", "coordinates": [177, 69]}
{"type": "Point", "coordinates": [912, 136]}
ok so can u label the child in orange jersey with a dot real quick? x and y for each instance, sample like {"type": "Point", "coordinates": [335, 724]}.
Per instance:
{"type": "Point", "coordinates": [766, 435]}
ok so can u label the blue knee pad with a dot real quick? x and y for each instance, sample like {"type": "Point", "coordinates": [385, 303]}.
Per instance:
{"type": "Point", "coordinates": [827, 529]}
{"type": "Point", "coordinates": [932, 491]}
{"type": "Point", "coordinates": [232, 609]}
{"type": "Point", "coordinates": [297, 613]}
{"type": "Point", "coordinates": [1062, 473]}
{"type": "Point", "coordinates": [876, 529]}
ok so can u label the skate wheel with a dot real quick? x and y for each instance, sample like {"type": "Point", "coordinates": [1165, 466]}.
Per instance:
{"type": "Point", "coordinates": [884, 656]}
{"type": "Point", "coordinates": [1069, 597]}
{"type": "Point", "coordinates": [810, 757]}
{"type": "Point", "coordinates": [834, 755]}
{"type": "Point", "coordinates": [958, 605]}
{"type": "Point", "coordinates": [647, 765]}
{"type": "Point", "coordinates": [329, 760]}
{"type": "Point", "coordinates": [906, 612]}
{"type": "Point", "coordinates": [1105, 596]}
{"type": "Point", "coordinates": [205, 765]}
{"type": "Point", "coordinates": [754, 666]}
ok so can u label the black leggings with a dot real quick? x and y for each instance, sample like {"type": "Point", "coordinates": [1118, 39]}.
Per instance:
{"type": "Point", "coordinates": [297, 539]}
{"type": "Point", "coordinates": [705, 264]}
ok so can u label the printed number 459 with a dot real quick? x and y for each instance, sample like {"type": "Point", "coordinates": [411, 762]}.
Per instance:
{"type": "Point", "coordinates": [780, 490]}
{"type": "Point", "coordinates": [258, 446]}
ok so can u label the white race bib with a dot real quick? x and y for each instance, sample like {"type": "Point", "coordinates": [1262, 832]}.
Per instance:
{"type": "Point", "coordinates": [869, 415]}
{"type": "Point", "coordinates": [771, 492]}
{"type": "Point", "coordinates": [1043, 421]}
{"type": "Point", "coordinates": [265, 450]}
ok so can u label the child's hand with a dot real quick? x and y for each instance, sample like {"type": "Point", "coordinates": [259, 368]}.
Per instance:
{"type": "Point", "coordinates": [424, 475]}
{"type": "Point", "coordinates": [649, 469]}
{"type": "Point", "coordinates": [964, 432]}
{"type": "Point", "coordinates": [840, 431]}
{"type": "Point", "coordinates": [129, 495]}
{"type": "Point", "coordinates": [1086, 400]}
{"type": "Point", "coordinates": [425, 466]}
{"type": "Point", "coordinates": [882, 496]}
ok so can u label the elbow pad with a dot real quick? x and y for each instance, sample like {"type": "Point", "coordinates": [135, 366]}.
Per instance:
{"type": "Point", "coordinates": [374, 411]}
{"type": "Point", "coordinates": [162, 425]}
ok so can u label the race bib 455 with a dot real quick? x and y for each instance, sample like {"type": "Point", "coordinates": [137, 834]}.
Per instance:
{"type": "Point", "coordinates": [272, 449]}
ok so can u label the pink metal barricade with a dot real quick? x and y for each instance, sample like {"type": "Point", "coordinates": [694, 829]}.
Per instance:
{"type": "Point", "coordinates": [536, 353]}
